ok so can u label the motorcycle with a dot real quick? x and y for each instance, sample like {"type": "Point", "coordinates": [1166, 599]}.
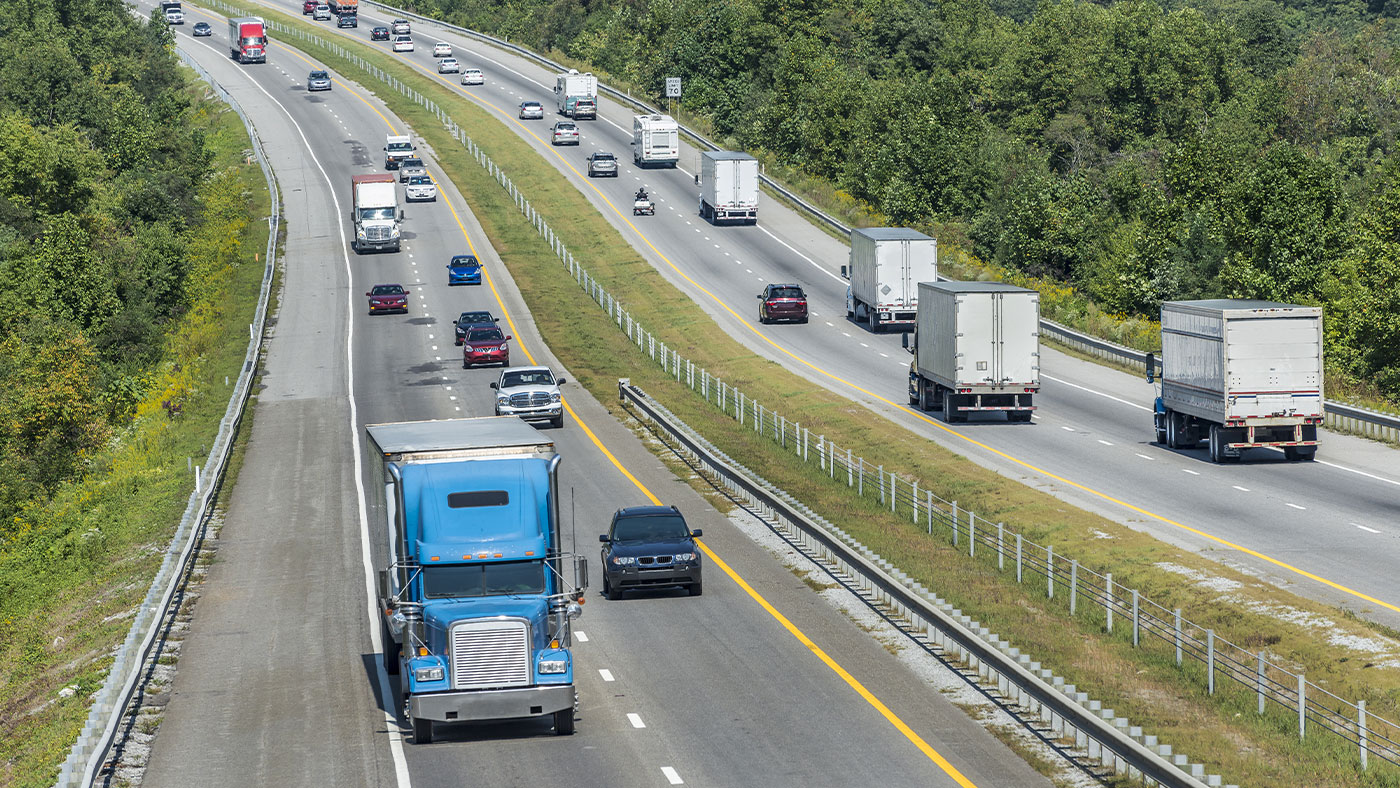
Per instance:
{"type": "Point", "coordinates": [642, 206]}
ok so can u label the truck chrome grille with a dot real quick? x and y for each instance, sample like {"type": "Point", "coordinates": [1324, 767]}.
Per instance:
{"type": "Point", "coordinates": [530, 399]}
{"type": "Point", "coordinates": [376, 233]}
{"type": "Point", "coordinates": [488, 654]}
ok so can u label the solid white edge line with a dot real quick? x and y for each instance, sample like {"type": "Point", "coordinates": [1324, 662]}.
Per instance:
{"type": "Point", "coordinates": [390, 716]}
{"type": "Point", "coordinates": [1364, 528]}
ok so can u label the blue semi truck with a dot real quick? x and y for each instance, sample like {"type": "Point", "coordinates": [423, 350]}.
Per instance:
{"type": "Point", "coordinates": [475, 609]}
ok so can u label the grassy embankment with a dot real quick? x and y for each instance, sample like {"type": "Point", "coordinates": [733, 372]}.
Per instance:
{"type": "Point", "coordinates": [1141, 684]}
{"type": "Point", "coordinates": [85, 558]}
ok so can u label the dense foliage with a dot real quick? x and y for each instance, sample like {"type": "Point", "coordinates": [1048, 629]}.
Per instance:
{"type": "Point", "coordinates": [1140, 152]}
{"type": "Point", "coordinates": [99, 193]}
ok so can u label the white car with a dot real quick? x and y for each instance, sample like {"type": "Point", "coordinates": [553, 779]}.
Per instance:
{"type": "Point", "coordinates": [449, 66]}
{"type": "Point", "coordinates": [442, 49]}
{"type": "Point", "coordinates": [473, 76]}
{"type": "Point", "coordinates": [403, 44]}
{"type": "Point", "coordinates": [420, 187]}
{"type": "Point", "coordinates": [321, 12]}
{"type": "Point", "coordinates": [401, 27]}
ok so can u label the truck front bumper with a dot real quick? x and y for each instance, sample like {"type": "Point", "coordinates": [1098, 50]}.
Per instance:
{"type": "Point", "coordinates": [542, 413]}
{"type": "Point", "coordinates": [492, 704]}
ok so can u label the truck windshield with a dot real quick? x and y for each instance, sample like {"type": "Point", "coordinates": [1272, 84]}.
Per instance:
{"type": "Point", "coordinates": [398, 147]}
{"type": "Point", "coordinates": [369, 214]}
{"type": "Point", "coordinates": [496, 579]}
{"type": "Point", "coordinates": [251, 41]}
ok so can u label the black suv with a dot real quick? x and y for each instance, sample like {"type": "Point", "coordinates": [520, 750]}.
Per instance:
{"type": "Point", "coordinates": [650, 547]}
{"type": "Point", "coordinates": [379, 34]}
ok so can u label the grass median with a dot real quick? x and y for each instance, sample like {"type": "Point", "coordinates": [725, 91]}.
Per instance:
{"type": "Point", "coordinates": [84, 559]}
{"type": "Point", "coordinates": [1142, 684]}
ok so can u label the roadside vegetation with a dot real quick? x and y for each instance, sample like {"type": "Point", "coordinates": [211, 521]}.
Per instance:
{"type": "Point", "coordinates": [1132, 151]}
{"type": "Point", "coordinates": [1141, 684]}
{"type": "Point", "coordinates": [131, 220]}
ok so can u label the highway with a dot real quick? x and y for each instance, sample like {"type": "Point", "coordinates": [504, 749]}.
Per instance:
{"type": "Point", "coordinates": [279, 681]}
{"type": "Point", "coordinates": [1325, 529]}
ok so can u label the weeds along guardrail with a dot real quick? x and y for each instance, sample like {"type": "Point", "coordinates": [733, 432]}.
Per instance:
{"type": "Point", "coordinates": [1203, 657]}
{"type": "Point", "coordinates": [87, 758]}
{"type": "Point", "coordinates": [1361, 421]}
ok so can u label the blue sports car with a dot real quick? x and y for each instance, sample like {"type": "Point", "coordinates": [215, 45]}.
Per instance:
{"type": "Point", "coordinates": [463, 270]}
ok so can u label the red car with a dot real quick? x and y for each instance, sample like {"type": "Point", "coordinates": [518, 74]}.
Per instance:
{"type": "Point", "coordinates": [308, 6]}
{"type": "Point", "coordinates": [782, 302]}
{"type": "Point", "coordinates": [387, 298]}
{"type": "Point", "coordinates": [485, 344]}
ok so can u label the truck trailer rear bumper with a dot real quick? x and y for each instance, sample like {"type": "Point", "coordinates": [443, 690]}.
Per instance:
{"type": "Point", "coordinates": [492, 704]}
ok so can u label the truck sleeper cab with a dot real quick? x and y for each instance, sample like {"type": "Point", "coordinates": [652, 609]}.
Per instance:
{"type": "Point", "coordinates": [477, 614]}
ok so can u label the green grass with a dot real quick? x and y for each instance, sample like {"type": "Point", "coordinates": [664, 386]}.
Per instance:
{"type": "Point", "coordinates": [1139, 683]}
{"type": "Point", "coordinates": [86, 557]}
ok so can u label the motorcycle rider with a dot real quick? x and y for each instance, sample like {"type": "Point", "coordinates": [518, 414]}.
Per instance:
{"type": "Point", "coordinates": [642, 195]}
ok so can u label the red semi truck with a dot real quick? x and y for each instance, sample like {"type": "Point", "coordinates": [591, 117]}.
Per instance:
{"type": "Point", "coordinates": [247, 39]}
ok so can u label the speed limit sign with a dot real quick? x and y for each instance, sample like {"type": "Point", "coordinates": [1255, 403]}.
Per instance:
{"type": "Point", "coordinates": [673, 87]}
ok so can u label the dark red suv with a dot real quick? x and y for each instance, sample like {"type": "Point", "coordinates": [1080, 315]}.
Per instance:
{"type": "Point", "coordinates": [485, 344]}
{"type": "Point", "coordinates": [782, 302]}
{"type": "Point", "coordinates": [387, 298]}
{"type": "Point", "coordinates": [308, 6]}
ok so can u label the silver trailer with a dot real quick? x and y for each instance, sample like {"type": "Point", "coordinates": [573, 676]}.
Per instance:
{"type": "Point", "coordinates": [977, 350]}
{"type": "Point", "coordinates": [886, 266]}
{"type": "Point", "coordinates": [728, 187]}
{"type": "Point", "coordinates": [1240, 375]}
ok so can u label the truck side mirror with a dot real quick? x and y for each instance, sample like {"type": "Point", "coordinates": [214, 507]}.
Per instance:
{"type": "Point", "coordinates": [845, 272]}
{"type": "Point", "coordinates": [384, 585]}
{"type": "Point", "coordinates": [603, 538]}
{"type": "Point", "coordinates": [400, 214]}
{"type": "Point", "coordinates": [493, 384]}
{"type": "Point", "coordinates": [561, 381]}
{"type": "Point", "coordinates": [1151, 367]}
{"type": "Point", "coordinates": [581, 572]}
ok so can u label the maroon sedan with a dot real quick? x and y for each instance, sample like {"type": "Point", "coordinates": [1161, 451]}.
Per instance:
{"type": "Point", "coordinates": [782, 302]}
{"type": "Point", "coordinates": [485, 344]}
{"type": "Point", "coordinates": [387, 298]}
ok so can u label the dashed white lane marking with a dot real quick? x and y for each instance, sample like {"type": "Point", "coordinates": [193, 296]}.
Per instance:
{"type": "Point", "coordinates": [1188, 470]}
{"type": "Point", "coordinates": [1144, 456]}
{"type": "Point", "coordinates": [1066, 429]}
{"type": "Point", "coordinates": [636, 720]}
{"type": "Point", "coordinates": [582, 637]}
{"type": "Point", "coordinates": [1364, 528]}
{"type": "Point", "coordinates": [606, 674]}
{"type": "Point", "coordinates": [1104, 442]}
{"type": "Point", "coordinates": [1241, 489]}
{"type": "Point", "coordinates": [430, 336]}
{"type": "Point", "coordinates": [1296, 506]}
{"type": "Point", "coordinates": [434, 347]}
{"type": "Point", "coordinates": [829, 323]}
{"type": "Point", "coordinates": [672, 776]}
{"type": "Point", "coordinates": [844, 334]}
{"type": "Point", "coordinates": [886, 355]}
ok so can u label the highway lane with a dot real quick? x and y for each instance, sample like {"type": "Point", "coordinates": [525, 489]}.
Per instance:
{"type": "Point", "coordinates": [282, 689]}
{"type": "Point", "coordinates": [1331, 519]}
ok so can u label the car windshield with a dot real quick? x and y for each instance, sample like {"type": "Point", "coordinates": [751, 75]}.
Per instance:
{"type": "Point", "coordinates": [491, 334]}
{"type": "Point", "coordinates": [387, 290]}
{"type": "Point", "coordinates": [532, 377]}
{"type": "Point", "coordinates": [397, 146]}
{"type": "Point", "coordinates": [410, 163]}
{"type": "Point", "coordinates": [457, 261]}
{"type": "Point", "coordinates": [649, 528]}
{"type": "Point", "coordinates": [786, 292]}
{"type": "Point", "coordinates": [468, 318]}
{"type": "Point", "coordinates": [318, 75]}
{"type": "Point", "coordinates": [487, 579]}
{"type": "Point", "coordinates": [367, 214]}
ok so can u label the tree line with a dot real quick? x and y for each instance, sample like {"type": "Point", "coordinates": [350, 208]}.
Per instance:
{"type": "Point", "coordinates": [100, 194]}
{"type": "Point", "coordinates": [1135, 150]}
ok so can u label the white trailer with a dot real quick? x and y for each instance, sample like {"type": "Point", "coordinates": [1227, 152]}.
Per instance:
{"type": "Point", "coordinates": [570, 88]}
{"type": "Point", "coordinates": [886, 266]}
{"type": "Point", "coordinates": [728, 187]}
{"type": "Point", "coordinates": [977, 350]}
{"type": "Point", "coordinates": [655, 141]}
{"type": "Point", "coordinates": [1240, 375]}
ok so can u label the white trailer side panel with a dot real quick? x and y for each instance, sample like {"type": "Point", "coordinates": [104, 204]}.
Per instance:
{"type": "Point", "coordinates": [887, 265]}
{"type": "Point", "coordinates": [979, 335]}
{"type": "Point", "coordinates": [728, 180]}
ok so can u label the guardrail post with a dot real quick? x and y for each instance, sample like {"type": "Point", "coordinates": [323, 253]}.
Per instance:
{"type": "Point", "coordinates": [955, 523]}
{"type": "Point", "coordinates": [850, 470]}
{"type": "Point", "coordinates": [1050, 571]}
{"type": "Point", "coordinates": [1018, 558]}
{"type": "Point", "coordinates": [806, 437]}
{"type": "Point", "coordinates": [831, 459]}
{"type": "Point", "coordinates": [1135, 618]}
{"type": "Point", "coordinates": [1259, 685]}
{"type": "Point", "coordinates": [739, 408]}
{"type": "Point", "coordinates": [880, 472]}
{"type": "Point", "coordinates": [1001, 547]}
{"type": "Point", "coordinates": [1176, 614]}
{"type": "Point", "coordinates": [860, 478]}
{"type": "Point", "coordinates": [928, 510]}
{"type": "Point", "coordinates": [894, 491]}
{"type": "Point", "coordinates": [1073, 584]}
{"type": "Point", "coordinates": [1361, 730]}
{"type": "Point", "coordinates": [1302, 706]}
{"type": "Point", "coordinates": [1210, 662]}
{"type": "Point", "coordinates": [1108, 599]}
{"type": "Point", "coordinates": [971, 534]}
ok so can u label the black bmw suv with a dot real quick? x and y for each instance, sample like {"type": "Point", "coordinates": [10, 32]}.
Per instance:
{"type": "Point", "coordinates": [650, 547]}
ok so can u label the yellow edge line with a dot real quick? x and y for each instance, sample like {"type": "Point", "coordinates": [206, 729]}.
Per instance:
{"type": "Point", "coordinates": [850, 680]}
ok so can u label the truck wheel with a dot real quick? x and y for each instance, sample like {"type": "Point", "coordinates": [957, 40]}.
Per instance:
{"type": "Point", "coordinates": [950, 413]}
{"type": "Point", "coordinates": [1290, 453]}
{"type": "Point", "coordinates": [1172, 430]}
{"type": "Point", "coordinates": [1160, 429]}
{"type": "Point", "coordinates": [1307, 453]}
{"type": "Point", "coordinates": [564, 722]}
{"type": "Point", "coordinates": [921, 399]}
{"type": "Point", "coordinates": [1213, 445]}
{"type": "Point", "coordinates": [873, 318]}
{"type": "Point", "coordinates": [392, 651]}
{"type": "Point", "coordinates": [422, 730]}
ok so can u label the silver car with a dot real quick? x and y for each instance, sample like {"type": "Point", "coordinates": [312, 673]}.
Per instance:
{"type": "Point", "coordinates": [321, 12]}
{"type": "Point", "coordinates": [531, 110]}
{"type": "Point", "coordinates": [318, 80]}
{"type": "Point", "coordinates": [602, 164]}
{"type": "Point", "coordinates": [565, 132]}
{"type": "Point", "coordinates": [532, 393]}
{"type": "Point", "coordinates": [411, 167]}
{"type": "Point", "coordinates": [449, 65]}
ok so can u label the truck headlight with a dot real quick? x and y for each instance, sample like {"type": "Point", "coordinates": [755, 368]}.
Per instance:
{"type": "Point", "coordinates": [502, 401]}
{"type": "Point", "coordinates": [554, 666]}
{"type": "Point", "coordinates": [394, 233]}
{"type": "Point", "coordinates": [428, 674]}
{"type": "Point", "coordinates": [624, 560]}
{"type": "Point", "coordinates": [360, 233]}
{"type": "Point", "coordinates": [554, 397]}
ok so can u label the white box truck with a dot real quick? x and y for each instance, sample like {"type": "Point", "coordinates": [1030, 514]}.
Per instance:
{"type": "Point", "coordinates": [728, 187]}
{"type": "Point", "coordinates": [976, 350]}
{"type": "Point", "coordinates": [886, 266]}
{"type": "Point", "coordinates": [1240, 375]}
{"type": "Point", "coordinates": [374, 210]}
{"type": "Point", "coordinates": [656, 141]}
{"type": "Point", "coordinates": [572, 87]}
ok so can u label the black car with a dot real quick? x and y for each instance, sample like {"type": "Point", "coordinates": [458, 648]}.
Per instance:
{"type": "Point", "coordinates": [468, 319]}
{"type": "Point", "coordinates": [349, 20]}
{"type": "Point", "coordinates": [202, 29]}
{"type": "Point", "coordinates": [650, 547]}
{"type": "Point", "coordinates": [379, 34]}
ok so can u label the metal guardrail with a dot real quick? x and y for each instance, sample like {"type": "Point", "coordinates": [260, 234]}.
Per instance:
{"type": "Point", "coordinates": [1021, 682]}
{"type": "Point", "coordinates": [1351, 418]}
{"type": "Point", "coordinates": [87, 757]}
